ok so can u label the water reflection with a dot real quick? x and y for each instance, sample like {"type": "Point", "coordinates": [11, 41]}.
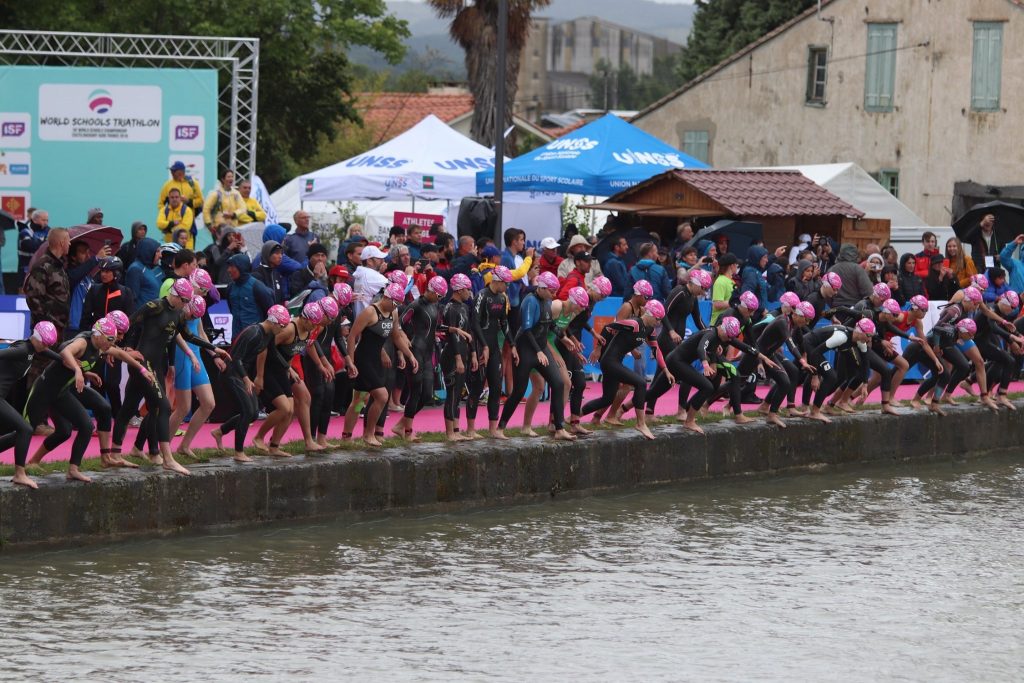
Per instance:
{"type": "Point", "coordinates": [912, 573]}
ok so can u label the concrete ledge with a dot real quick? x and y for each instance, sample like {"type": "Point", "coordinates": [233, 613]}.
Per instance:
{"type": "Point", "coordinates": [436, 477]}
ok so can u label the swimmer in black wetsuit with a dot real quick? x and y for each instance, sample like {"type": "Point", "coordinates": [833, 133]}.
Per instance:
{"type": "Point", "coordinates": [458, 358]}
{"type": "Point", "coordinates": [492, 317]}
{"type": "Point", "coordinates": [366, 360]}
{"type": "Point", "coordinates": [15, 362]}
{"type": "Point", "coordinates": [420, 320]}
{"type": "Point", "coordinates": [60, 392]}
{"type": "Point", "coordinates": [245, 381]}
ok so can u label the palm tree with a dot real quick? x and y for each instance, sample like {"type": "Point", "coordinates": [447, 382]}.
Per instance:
{"type": "Point", "coordinates": [474, 26]}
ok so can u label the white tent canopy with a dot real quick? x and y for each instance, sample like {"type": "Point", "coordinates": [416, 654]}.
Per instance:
{"type": "Point", "coordinates": [852, 184]}
{"type": "Point", "coordinates": [428, 161]}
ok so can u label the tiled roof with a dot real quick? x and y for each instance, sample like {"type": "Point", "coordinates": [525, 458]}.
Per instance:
{"type": "Point", "coordinates": [559, 132]}
{"type": "Point", "coordinates": [389, 114]}
{"type": "Point", "coordinates": [767, 193]}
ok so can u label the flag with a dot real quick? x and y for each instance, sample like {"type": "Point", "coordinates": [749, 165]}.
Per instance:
{"type": "Point", "coordinates": [428, 182]}
{"type": "Point", "coordinates": [14, 204]}
{"type": "Point", "coordinates": [260, 194]}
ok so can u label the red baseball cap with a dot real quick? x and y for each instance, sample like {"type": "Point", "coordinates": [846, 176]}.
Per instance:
{"type": "Point", "coordinates": [339, 271]}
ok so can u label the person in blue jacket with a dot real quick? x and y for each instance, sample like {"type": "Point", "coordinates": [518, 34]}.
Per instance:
{"type": "Point", "coordinates": [144, 276]}
{"type": "Point", "coordinates": [248, 298]}
{"type": "Point", "coordinates": [1012, 260]}
{"type": "Point", "coordinates": [614, 268]}
{"type": "Point", "coordinates": [288, 265]}
{"type": "Point", "coordinates": [751, 278]}
{"type": "Point", "coordinates": [648, 268]}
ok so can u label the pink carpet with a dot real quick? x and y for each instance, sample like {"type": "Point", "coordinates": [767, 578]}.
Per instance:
{"type": "Point", "coordinates": [429, 420]}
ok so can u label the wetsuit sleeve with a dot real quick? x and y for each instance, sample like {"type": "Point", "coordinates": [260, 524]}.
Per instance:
{"type": "Point", "coordinates": [702, 348]}
{"type": "Point", "coordinates": [13, 354]}
{"type": "Point", "coordinates": [745, 348]}
{"type": "Point", "coordinates": [998, 330]}
{"type": "Point", "coordinates": [893, 330]}
{"type": "Point", "coordinates": [673, 304]}
{"type": "Point", "coordinates": [837, 339]}
{"type": "Point", "coordinates": [136, 322]}
{"type": "Point", "coordinates": [474, 320]}
{"type": "Point", "coordinates": [855, 313]}
{"type": "Point", "coordinates": [451, 319]}
{"type": "Point", "coordinates": [530, 314]}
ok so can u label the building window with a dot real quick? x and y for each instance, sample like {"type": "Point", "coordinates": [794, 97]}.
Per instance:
{"type": "Point", "coordinates": [696, 143]}
{"type": "Point", "coordinates": [880, 71]}
{"type": "Point", "coordinates": [987, 69]}
{"type": "Point", "coordinates": [889, 178]}
{"type": "Point", "coordinates": [817, 65]}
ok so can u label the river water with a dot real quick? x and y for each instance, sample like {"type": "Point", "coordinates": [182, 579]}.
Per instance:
{"type": "Point", "coordinates": [914, 573]}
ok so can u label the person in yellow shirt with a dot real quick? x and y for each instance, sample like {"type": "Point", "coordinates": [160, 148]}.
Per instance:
{"type": "Point", "coordinates": [190, 191]}
{"type": "Point", "coordinates": [176, 216]}
{"type": "Point", "coordinates": [253, 211]}
{"type": "Point", "coordinates": [224, 205]}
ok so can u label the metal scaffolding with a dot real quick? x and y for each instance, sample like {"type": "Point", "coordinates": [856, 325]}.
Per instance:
{"type": "Point", "coordinates": [237, 58]}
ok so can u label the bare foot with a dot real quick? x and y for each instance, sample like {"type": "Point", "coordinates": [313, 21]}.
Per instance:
{"type": "Point", "coordinates": [497, 434]}
{"type": "Point", "coordinates": [817, 415]}
{"type": "Point", "coordinates": [241, 457]}
{"type": "Point", "coordinates": [989, 403]}
{"type": "Point", "coordinates": [260, 444]}
{"type": "Point", "coordinates": [581, 430]}
{"type": "Point", "coordinates": [23, 479]}
{"type": "Point", "coordinates": [968, 388]}
{"type": "Point", "coordinates": [693, 426]}
{"type": "Point", "coordinates": [847, 408]}
{"type": "Point", "coordinates": [1006, 402]}
{"type": "Point", "coordinates": [527, 431]}
{"type": "Point", "coordinates": [915, 403]}
{"type": "Point", "coordinates": [763, 409]}
{"type": "Point", "coordinates": [887, 409]}
{"type": "Point", "coordinates": [36, 458]}
{"type": "Point", "coordinates": [398, 430]}
{"type": "Point", "coordinates": [562, 435]}
{"type": "Point", "coordinates": [799, 412]}
{"type": "Point", "coordinates": [276, 452]}
{"type": "Point", "coordinates": [372, 442]}
{"type": "Point", "coordinates": [612, 421]}
{"type": "Point", "coordinates": [314, 447]}
{"type": "Point", "coordinates": [74, 474]}
{"type": "Point", "coordinates": [645, 430]}
{"type": "Point", "coordinates": [455, 436]}
{"type": "Point", "coordinates": [742, 419]}
{"type": "Point", "coordinates": [831, 410]}
{"type": "Point", "coordinates": [948, 400]}
{"type": "Point", "coordinates": [187, 452]}
{"type": "Point", "coordinates": [774, 419]}
{"type": "Point", "coordinates": [218, 436]}
{"type": "Point", "coordinates": [171, 465]}
{"type": "Point", "coordinates": [934, 407]}
{"type": "Point", "coordinates": [472, 435]}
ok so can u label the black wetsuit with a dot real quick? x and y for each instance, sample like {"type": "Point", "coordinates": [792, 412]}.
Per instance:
{"type": "Point", "coordinates": [628, 335]}
{"type": "Point", "coordinates": [420, 318]}
{"type": "Point", "coordinates": [943, 336]}
{"type": "Point", "coordinates": [456, 314]}
{"type": "Point", "coordinates": [680, 304]}
{"type": "Point", "coordinates": [992, 340]}
{"type": "Point", "coordinates": [820, 340]}
{"type": "Point", "coordinates": [15, 362]}
{"type": "Point", "coordinates": [276, 378]}
{"type": "Point", "coordinates": [54, 394]}
{"type": "Point", "coordinates": [701, 346]}
{"type": "Point", "coordinates": [153, 328]}
{"type": "Point", "coordinates": [531, 341]}
{"type": "Point", "coordinates": [367, 356]}
{"type": "Point", "coordinates": [774, 336]}
{"type": "Point", "coordinates": [492, 317]}
{"type": "Point", "coordinates": [246, 348]}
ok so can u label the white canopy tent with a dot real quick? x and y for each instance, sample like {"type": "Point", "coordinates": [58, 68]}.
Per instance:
{"type": "Point", "coordinates": [429, 161]}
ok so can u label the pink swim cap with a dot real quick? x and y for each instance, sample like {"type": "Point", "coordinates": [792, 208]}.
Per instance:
{"type": "Point", "coordinates": [882, 291]}
{"type": "Point", "coordinates": [395, 292]}
{"type": "Point", "coordinates": [920, 302]}
{"type": "Point", "coordinates": [45, 332]}
{"type": "Point", "coordinates": [805, 309]}
{"type": "Point", "coordinates": [202, 280]}
{"type": "Point", "coordinates": [438, 285]}
{"type": "Point", "coordinates": [579, 296]}
{"type": "Point", "coordinates": [400, 277]}
{"type": "Point", "coordinates": [603, 285]}
{"type": "Point", "coordinates": [979, 281]}
{"type": "Point", "coordinates": [749, 301]}
{"type": "Point", "coordinates": [789, 299]}
{"type": "Point", "coordinates": [196, 307]}
{"type": "Point", "coordinates": [105, 327]}
{"type": "Point", "coordinates": [731, 326]}
{"type": "Point", "coordinates": [182, 288]}
{"type": "Point", "coordinates": [655, 309]}
{"type": "Point", "coordinates": [460, 282]}
{"type": "Point", "coordinates": [967, 325]}
{"type": "Point", "coordinates": [972, 294]}
{"type": "Point", "coordinates": [279, 315]}
{"type": "Point", "coordinates": [120, 321]}
{"type": "Point", "coordinates": [866, 325]}
{"type": "Point", "coordinates": [1011, 298]}
{"type": "Point", "coordinates": [700, 277]}
{"type": "Point", "coordinates": [330, 307]}
{"type": "Point", "coordinates": [891, 306]}
{"type": "Point", "coordinates": [643, 288]}
{"type": "Point", "coordinates": [502, 274]}
{"type": "Point", "coordinates": [313, 313]}
{"type": "Point", "coordinates": [343, 293]}
{"type": "Point", "coordinates": [547, 281]}
{"type": "Point", "coordinates": [832, 280]}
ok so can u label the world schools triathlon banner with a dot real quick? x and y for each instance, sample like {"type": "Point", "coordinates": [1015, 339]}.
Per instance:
{"type": "Point", "coordinates": [74, 138]}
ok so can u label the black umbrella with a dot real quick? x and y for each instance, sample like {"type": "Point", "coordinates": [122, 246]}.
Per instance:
{"type": "Point", "coordinates": [7, 221]}
{"type": "Point", "coordinates": [1009, 221]}
{"type": "Point", "coordinates": [741, 235]}
{"type": "Point", "coordinates": [634, 236]}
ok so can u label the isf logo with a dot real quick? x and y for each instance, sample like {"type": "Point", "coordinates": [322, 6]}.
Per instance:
{"type": "Point", "coordinates": [12, 129]}
{"type": "Point", "coordinates": [186, 132]}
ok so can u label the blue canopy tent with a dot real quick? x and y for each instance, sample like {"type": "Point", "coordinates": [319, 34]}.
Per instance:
{"type": "Point", "coordinates": [601, 158]}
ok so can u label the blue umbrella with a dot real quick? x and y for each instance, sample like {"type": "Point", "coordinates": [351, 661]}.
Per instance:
{"type": "Point", "coordinates": [601, 158]}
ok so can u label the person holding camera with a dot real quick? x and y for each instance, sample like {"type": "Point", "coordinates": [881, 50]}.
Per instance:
{"type": "Point", "coordinates": [825, 250]}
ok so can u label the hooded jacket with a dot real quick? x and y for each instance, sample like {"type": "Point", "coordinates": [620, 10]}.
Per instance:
{"type": "Point", "coordinates": [142, 277]}
{"type": "Point", "coordinates": [911, 284]}
{"type": "Point", "coordinates": [751, 279]}
{"type": "Point", "coordinates": [856, 283]}
{"type": "Point", "coordinates": [1012, 260]}
{"type": "Point", "coordinates": [647, 269]}
{"type": "Point", "coordinates": [270, 276]}
{"type": "Point", "coordinates": [797, 284]}
{"type": "Point", "coordinates": [248, 298]}
{"type": "Point", "coordinates": [288, 265]}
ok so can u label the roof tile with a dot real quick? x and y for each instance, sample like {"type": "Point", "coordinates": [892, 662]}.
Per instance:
{"type": "Point", "coordinates": [390, 114]}
{"type": "Point", "coordinates": [767, 193]}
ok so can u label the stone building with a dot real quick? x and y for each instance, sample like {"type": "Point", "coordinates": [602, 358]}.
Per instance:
{"type": "Point", "coordinates": [921, 93]}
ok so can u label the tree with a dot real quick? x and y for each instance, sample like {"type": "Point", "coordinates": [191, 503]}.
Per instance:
{"type": "Point", "coordinates": [474, 26]}
{"type": "Point", "coordinates": [721, 27]}
{"type": "Point", "coordinates": [306, 80]}
{"type": "Point", "coordinates": [622, 88]}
